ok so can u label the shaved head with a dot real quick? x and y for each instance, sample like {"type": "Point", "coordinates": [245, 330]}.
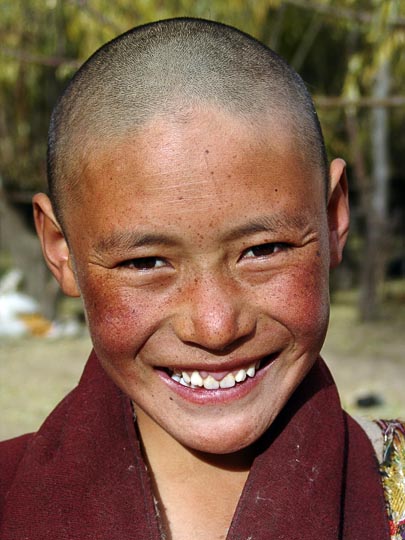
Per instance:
{"type": "Point", "coordinates": [168, 69]}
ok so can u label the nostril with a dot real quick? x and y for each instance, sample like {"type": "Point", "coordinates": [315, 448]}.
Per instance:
{"type": "Point", "coordinates": [213, 314]}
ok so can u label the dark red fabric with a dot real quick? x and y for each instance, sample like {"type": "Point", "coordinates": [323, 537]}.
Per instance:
{"type": "Point", "coordinates": [316, 475]}
{"type": "Point", "coordinates": [82, 475]}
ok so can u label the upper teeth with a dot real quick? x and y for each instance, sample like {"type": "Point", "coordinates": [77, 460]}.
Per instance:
{"type": "Point", "coordinates": [195, 380]}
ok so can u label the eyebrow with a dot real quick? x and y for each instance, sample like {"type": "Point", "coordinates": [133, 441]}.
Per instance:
{"type": "Point", "coordinates": [274, 223]}
{"type": "Point", "coordinates": [127, 240]}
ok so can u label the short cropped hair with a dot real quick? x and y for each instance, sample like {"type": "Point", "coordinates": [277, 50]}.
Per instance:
{"type": "Point", "coordinates": [155, 68]}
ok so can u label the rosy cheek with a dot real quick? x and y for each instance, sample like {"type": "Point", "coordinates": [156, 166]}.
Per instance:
{"type": "Point", "coordinates": [312, 313]}
{"type": "Point", "coordinates": [302, 299]}
{"type": "Point", "coordinates": [118, 322]}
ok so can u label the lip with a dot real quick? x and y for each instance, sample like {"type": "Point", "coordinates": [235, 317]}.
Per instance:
{"type": "Point", "coordinates": [201, 396]}
{"type": "Point", "coordinates": [228, 367]}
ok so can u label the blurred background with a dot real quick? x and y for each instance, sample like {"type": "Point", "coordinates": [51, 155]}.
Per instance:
{"type": "Point", "coordinates": [350, 54]}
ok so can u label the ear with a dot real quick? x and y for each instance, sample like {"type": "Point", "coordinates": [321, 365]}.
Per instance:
{"type": "Point", "coordinates": [338, 211]}
{"type": "Point", "coordinates": [54, 245]}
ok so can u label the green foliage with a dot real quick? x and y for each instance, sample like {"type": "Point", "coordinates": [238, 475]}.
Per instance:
{"type": "Point", "coordinates": [337, 47]}
{"type": "Point", "coordinates": [43, 44]}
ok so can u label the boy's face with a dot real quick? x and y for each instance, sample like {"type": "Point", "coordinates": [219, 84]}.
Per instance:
{"type": "Point", "coordinates": [200, 246]}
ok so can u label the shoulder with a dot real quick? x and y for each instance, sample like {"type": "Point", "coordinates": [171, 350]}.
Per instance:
{"type": "Point", "coordinates": [11, 453]}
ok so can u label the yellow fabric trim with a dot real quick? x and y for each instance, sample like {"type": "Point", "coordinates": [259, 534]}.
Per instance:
{"type": "Point", "coordinates": [392, 470]}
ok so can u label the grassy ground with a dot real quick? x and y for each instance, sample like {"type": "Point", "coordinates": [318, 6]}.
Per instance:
{"type": "Point", "coordinates": [36, 373]}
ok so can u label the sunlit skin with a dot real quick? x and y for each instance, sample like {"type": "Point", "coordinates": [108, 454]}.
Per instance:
{"type": "Point", "coordinates": [201, 245]}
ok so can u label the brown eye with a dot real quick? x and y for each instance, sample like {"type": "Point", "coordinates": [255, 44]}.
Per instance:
{"type": "Point", "coordinates": [264, 250]}
{"type": "Point", "coordinates": [144, 263]}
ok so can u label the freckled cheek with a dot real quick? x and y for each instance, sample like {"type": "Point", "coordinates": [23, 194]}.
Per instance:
{"type": "Point", "coordinates": [301, 302]}
{"type": "Point", "coordinates": [119, 323]}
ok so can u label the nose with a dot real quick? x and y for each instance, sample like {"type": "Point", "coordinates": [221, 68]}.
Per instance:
{"type": "Point", "coordinates": [214, 314]}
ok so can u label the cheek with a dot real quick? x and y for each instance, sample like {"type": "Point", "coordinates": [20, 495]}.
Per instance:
{"type": "Point", "coordinates": [119, 322]}
{"type": "Point", "coordinates": [301, 302]}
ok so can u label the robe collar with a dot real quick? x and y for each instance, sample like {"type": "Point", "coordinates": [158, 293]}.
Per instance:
{"type": "Point", "coordinates": [83, 475]}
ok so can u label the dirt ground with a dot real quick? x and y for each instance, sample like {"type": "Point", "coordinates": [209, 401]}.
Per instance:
{"type": "Point", "coordinates": [366, 360]}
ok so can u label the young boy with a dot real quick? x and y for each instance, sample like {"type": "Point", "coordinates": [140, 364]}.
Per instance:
{"type": "Point", "coordinates": [192, 209]}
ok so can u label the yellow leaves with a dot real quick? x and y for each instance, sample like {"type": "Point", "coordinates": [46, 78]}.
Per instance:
{"type": "Point", "coordinates": [351, 86]}
{"type": "Point", "coordinates": [383, 39]}
{"type": "Point", "coordinates": [43, 41]}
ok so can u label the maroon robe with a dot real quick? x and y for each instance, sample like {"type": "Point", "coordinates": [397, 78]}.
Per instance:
{"type": "Point", "coordinates": [82, 475]}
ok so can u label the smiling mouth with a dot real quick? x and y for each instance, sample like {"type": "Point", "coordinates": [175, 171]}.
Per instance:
{"type": "Point", "coordinates": [214, 380]}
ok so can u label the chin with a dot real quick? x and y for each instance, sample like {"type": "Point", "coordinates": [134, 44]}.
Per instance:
{"type": "Point", "coordinates": [223, 442]}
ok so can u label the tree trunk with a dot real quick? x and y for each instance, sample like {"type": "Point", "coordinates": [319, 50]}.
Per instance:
{"type": "Point", "coordinates": [376, 242]}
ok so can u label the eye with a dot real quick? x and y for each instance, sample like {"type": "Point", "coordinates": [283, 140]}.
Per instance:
{"type": "Point", "coordinates": [264, 250]}
{"type": "Point", "coordinates": [144, 263]}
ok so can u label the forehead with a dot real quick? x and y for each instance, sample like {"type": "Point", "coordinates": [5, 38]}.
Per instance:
{"type": "Point", "coordinates": [192, 161]}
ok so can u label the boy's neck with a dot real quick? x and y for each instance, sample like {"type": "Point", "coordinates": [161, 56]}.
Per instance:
{"type": "Point", "coordinates": [197, 492]}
